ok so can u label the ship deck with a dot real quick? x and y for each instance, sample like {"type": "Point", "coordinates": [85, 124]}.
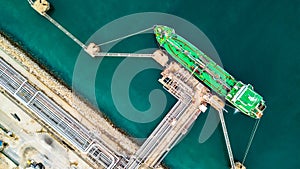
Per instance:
{"type": "Point", "coordinates": [205, 69]}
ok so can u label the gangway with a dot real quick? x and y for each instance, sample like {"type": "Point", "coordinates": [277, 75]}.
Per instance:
{"type": "Point", "coordinates": [124, 54]}
{"type": "Point", "coordinates": [65, 31]}
{"type": "Point", "coordinates": [54, 22]}
{"type": "Point", "coordinates": [93, 49]}
{"type": "Point", "coordinates": [227, 141]}
{"type": "Point", "coordinates": [99, 54]}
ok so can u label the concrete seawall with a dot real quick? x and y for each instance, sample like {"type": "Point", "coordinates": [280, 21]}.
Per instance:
{"type": "Point", "coordinates": [76, 106]}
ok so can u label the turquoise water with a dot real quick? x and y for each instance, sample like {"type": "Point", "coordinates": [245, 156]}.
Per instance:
{"type": "Point", "coordinates": [258, 42]}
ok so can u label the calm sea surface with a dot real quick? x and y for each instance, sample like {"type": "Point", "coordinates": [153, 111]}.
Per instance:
{"type": "Point", "coordinates": [258, 43]}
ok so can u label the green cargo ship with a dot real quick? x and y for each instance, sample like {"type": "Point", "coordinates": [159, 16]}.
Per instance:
{"type": "Point", "coordinates": [241, 96]}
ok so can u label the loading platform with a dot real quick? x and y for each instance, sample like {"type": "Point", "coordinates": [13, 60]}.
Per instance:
{"type": "Point", "coordinates": [193, 98]}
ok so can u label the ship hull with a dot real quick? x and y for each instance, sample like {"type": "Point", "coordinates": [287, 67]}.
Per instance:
{"type": "Point", "coordinates": [241, 96]}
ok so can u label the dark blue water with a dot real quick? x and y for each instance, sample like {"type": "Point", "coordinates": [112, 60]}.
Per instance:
{"type": "Point", "coordinates": [258, 42]}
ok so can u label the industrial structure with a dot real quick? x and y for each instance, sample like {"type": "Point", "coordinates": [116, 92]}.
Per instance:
{"type": "Point", "coordinates": [189, 75]}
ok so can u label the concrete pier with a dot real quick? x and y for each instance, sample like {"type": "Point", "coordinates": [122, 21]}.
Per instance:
{"type": "Point", "coordinates": [160, 57]}
{"type": "Point", "coordinates": [41, 6]}
{"type": "Point", "coordinates": [192, 97]}
{"type": "Point", "coordinates": [239, 165]}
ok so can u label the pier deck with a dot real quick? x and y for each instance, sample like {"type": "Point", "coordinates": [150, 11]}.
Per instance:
{"type": "Point", "coordinates": [191, 102]}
